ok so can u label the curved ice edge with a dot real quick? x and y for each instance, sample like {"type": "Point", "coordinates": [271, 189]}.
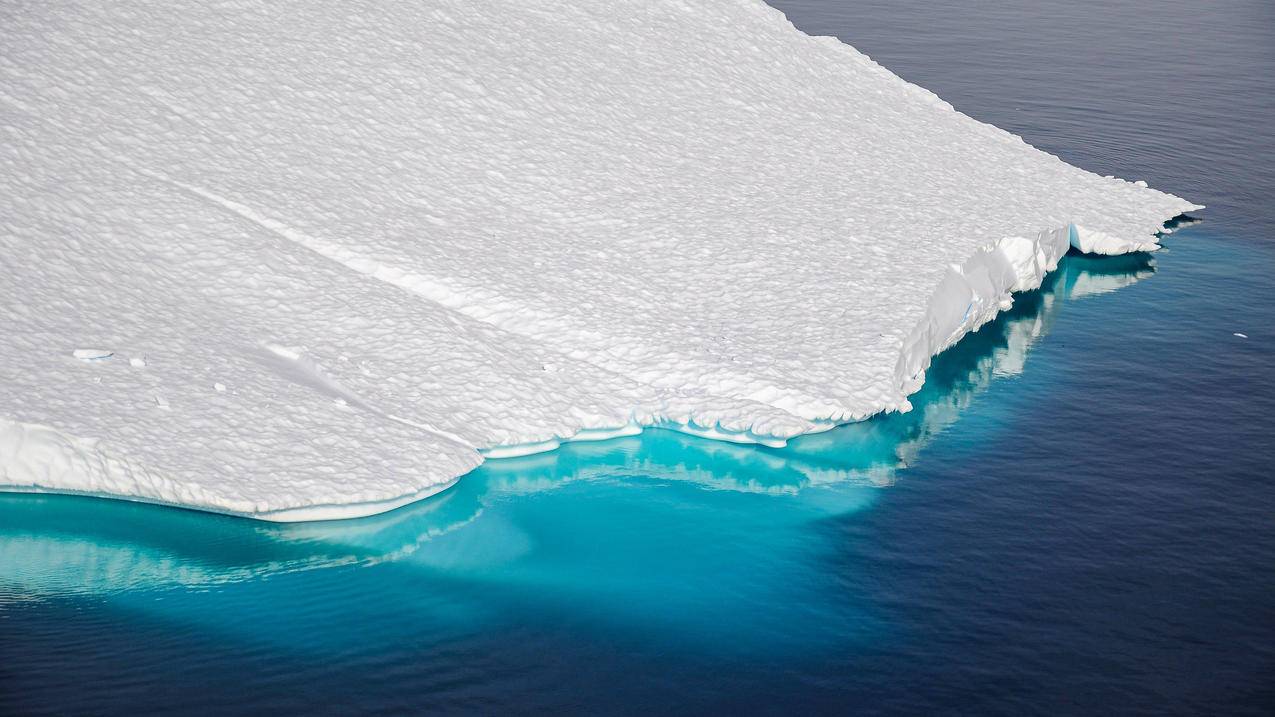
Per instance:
{"type": "Point", "coordinates": [301, 514]}
{"type": "Point", "coordinates": [973, 293]}
{"type": "Point", "coordinates": [632, 428]}
{"type": "Point", "coordinates": [41, 459]}
{"type": "Point", "coordinates": [968, 296]}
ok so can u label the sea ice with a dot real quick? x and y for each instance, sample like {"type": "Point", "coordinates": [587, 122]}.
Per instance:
{"type": "Point", "coordinates": [414, 235]}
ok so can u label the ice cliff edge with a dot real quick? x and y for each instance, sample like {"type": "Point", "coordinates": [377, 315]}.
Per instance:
{"type": "Point", "coordinates": [324, 259]}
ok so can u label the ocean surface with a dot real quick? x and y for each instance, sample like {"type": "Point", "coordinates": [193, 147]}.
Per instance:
{"type": "Point", "coordinates": [1078, 517]}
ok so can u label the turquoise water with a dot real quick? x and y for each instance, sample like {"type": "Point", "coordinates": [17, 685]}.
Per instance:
{"type": "Point", "coordinates": [1078, 517]}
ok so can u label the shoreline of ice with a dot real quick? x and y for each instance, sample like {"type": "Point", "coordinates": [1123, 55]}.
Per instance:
{"type": "Point", "coordinates": [294, 265]}
{"type": "Point", "coordinates": [35, 454]}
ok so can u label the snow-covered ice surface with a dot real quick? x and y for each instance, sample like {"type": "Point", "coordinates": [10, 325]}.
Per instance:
{"type": "Point", "coordinates": [298, 262]}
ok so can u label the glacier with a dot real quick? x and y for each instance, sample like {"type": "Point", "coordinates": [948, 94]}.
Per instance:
{"type": "Point", "coordinates": [299, 262]}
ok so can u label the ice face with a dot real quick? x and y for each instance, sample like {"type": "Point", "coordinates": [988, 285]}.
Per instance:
{"type": "Point", "coordinates": [363, 249]}
{"type": "Point", "coordinates": [59, 547]}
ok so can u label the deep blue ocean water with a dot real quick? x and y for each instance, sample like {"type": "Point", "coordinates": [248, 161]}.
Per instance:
{"type": "Point", "coordinates": [1078, 517]}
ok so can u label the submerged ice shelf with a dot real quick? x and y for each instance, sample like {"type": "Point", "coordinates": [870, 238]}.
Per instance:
{"type": "Point", "coordinates": [327, 262]}
{"type": "Point", "coordinates": [52, 547]}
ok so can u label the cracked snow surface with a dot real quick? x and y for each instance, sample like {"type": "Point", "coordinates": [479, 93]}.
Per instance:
{"type": "Point", "coordinates": [294, 261]}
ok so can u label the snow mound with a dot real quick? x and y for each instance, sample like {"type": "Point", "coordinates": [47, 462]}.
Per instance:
{"type": "Point", "coordinates": [362, 246]}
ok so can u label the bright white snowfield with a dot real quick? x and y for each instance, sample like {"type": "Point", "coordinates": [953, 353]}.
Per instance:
{"type": "Point", "coordinates": [296, 261]}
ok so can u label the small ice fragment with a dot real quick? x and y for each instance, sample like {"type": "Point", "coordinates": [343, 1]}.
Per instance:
{"type": "Point", "coordinates": [161, 402]}
{"type": "Point", "coordinates": [219, 387]}
{"type": "Point", "coordinates": [1243, 336]}
{"type": "Point", "coordinates": [1141, 183]}
{"type": "Point", "coordinates": [92, 354]}
{"type": "Point", "coordinates": [137, 362]}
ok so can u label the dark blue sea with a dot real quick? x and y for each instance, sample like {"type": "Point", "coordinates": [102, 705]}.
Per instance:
{"type": "Point", "coordinates": [1078, 517]}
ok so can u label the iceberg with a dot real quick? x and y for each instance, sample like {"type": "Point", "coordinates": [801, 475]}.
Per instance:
{"type": "Point", "coordinates": [61, 547]}
{"type": "Point", "coordinates": [365, 247]}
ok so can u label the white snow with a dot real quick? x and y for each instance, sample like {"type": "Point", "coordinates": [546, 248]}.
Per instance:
{"type": "Point", "coordinates": [413, 235]}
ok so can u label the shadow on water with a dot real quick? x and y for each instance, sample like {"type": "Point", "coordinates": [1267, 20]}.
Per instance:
{"type": "Point", "coordinates": [63, 545]}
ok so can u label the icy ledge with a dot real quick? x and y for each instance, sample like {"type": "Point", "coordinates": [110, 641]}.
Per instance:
{"type": "Point", "coordinates": [41, 459]}
{"type": "Point", "coordinates": [974, 292]}
{"type": "Point", "coordinates": [298, 264]}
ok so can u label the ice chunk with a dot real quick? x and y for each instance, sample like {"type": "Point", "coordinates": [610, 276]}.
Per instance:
{"type": "Point", "coordinates": [485, 229]}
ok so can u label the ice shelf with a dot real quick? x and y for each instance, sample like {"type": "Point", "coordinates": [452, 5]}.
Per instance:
{"type": "Point", "coordinates": [301, 262]}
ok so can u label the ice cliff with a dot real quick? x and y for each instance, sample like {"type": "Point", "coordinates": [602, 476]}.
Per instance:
{"type": "Point", "coordinates": [298, 260]}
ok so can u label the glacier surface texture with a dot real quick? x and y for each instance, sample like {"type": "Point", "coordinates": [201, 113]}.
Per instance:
{"type": "Point", "coordinates": [302, 261]}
